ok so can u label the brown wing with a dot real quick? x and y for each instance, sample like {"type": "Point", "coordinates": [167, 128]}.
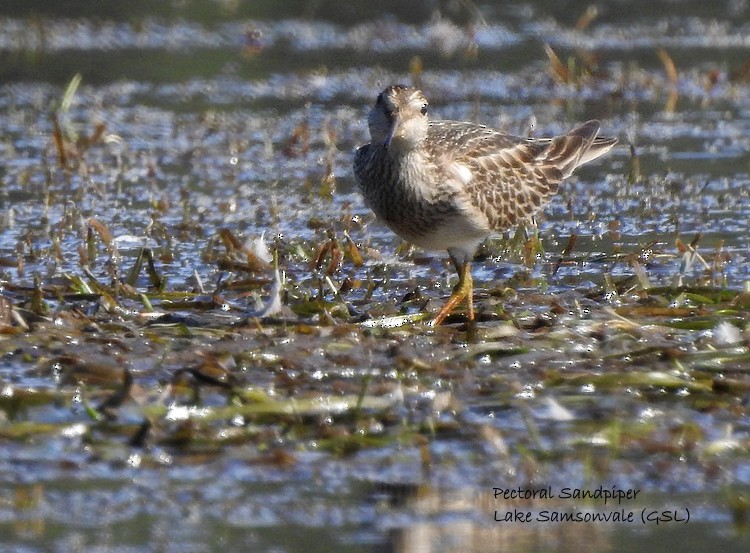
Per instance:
{"type": "Point", "coordinates": [513, 177]}
{"type": "Point", "coordinates": [458, 139]}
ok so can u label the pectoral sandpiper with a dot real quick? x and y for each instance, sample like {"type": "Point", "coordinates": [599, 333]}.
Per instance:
{"type": "Point", "coordinates": [450, 184]}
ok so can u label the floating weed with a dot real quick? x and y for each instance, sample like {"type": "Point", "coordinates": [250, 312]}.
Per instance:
{"type": "Point", "coordinates": [395, 321]}
{"type": "Point", "coordinates": [716, 295]}
{"type": "Point", "coordinates": [669, 67]}
{"type": "Point", "coordinates": [635, 379]}
{"type": "Point", "coordinates": [352, 251]}
{"type": "Point", "coordinates": [298, 144]}
{"type": "Point", "coordinates": [349, 443]}
{"type": "Point", "coordinates": [257, 403]}
{"type": "Point", "coordinates": [329, 249]}
{"type": "Point", "coordinates": [87, 370]}
{"type": "Point", "coordinates": [59, 142]}
{"type": "Point", "coordinates": [738, 501]}
{"type": "Point", "coordinates": [38, 305]}
{"type": "Point", "coordinates": [726, 444]}
{"type": "Point", "coordinates": [26, 430]}
{"type": "Point", "coordinates": [17, 402]}
{"type": "Point", "coordinates": [104, 234]}
{"type": "Point", "coordinates": [587, 17]}
{"type": "Point", "coordinates": [416, 68]}
{"type": "Point", "coordinates": [235, 248]}
{"type": "Point", "coordinates": [495, 349]}
{"type": "Point", "coordinates": [697, 323]}
{"type": "Point", "coordinates": [565, 253]}
{"type": "Point", "coordinates": [576, 71]}
{"type": "Point", "coordinates": [698, 299]}
{"type": "Point", "coordinates": [658, 311]}
{"type": "Point", "coordinates": [6, 314]}
{"type": "Point", "coordinates": [672, 77]}
{"type": "Point", "coordinates": [719, 361]}
{"type": "Point", "coordinates": [158, 354]}
{"type": "Point", "coordinates": [156, 280]}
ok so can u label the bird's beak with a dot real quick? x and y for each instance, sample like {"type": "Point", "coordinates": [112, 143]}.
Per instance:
{"type": "Point", "coordinates": [391, 132]}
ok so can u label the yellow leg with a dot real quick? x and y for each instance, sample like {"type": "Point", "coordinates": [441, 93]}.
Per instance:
{"type": "Point", "coordinates": [465, 289]}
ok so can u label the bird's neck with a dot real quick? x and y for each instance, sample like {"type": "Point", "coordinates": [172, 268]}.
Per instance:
{"type": "Point", "coordinates": [401, 147]}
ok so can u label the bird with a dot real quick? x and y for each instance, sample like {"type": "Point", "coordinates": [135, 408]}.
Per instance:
{"type": "Point", "coordinates": [448, 185]}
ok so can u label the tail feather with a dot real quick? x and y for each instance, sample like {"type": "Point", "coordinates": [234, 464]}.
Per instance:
{"type": "Point", "coordinates": [577, 147]}
{"type": "Point", "coordinates": [600, 146]}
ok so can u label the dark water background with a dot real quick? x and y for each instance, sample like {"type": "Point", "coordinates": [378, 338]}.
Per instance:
{"type": "Point", "coordinates": [244, 115]}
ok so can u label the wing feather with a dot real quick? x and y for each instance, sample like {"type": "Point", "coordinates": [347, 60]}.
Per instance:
{"type": "Point", "coordinates": [513, 177]}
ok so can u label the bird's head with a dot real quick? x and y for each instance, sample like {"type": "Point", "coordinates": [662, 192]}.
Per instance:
{"type": "Point", "coordinates": [399, 118]}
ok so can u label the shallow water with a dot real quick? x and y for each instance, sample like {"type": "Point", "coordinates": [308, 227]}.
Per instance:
{"type": "Point", "coordinates": [619, 364]}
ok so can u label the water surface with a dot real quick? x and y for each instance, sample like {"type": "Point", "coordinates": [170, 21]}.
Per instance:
{"type": "Point", "coordinates": [621, 363]}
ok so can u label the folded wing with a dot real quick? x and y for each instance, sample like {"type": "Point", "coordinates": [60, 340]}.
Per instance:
{"type": "Point", "coordinates": [510, 178]}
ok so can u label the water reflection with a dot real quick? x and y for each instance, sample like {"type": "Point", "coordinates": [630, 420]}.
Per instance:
{"type": "Point", "coordinates": [193, 117]}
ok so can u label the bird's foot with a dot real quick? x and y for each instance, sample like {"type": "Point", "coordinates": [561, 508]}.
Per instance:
{"type": "Point", "coordinates": [464, 290]}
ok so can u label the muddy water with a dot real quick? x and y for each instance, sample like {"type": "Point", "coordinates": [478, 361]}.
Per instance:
{"type": "Point", "coordinates": [195, 117]}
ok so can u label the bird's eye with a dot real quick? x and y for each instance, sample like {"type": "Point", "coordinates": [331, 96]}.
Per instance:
{"type": "Point", "coordinates": [379, 101]}
{"type": "Point", "coordinates": [424, 109]}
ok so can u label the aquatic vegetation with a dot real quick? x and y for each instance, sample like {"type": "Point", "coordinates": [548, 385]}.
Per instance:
{"type": "Point", "coordinates": [198, 312]}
